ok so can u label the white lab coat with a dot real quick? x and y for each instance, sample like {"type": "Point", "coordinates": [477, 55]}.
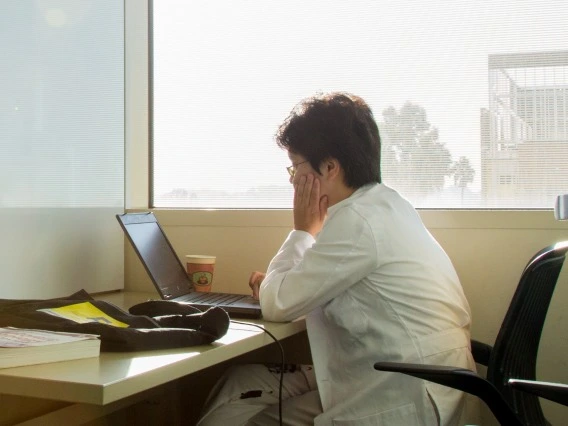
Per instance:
{"type": "Point", "coordinates": [375, 286]}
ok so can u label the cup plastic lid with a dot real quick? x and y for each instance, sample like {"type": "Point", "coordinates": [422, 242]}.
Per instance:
{"type": "Point", "coordinates": [198, 258]}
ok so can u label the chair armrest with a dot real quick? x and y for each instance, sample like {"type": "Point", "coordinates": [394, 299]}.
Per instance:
{"type": "Point", "coordinates": [481, 352]}
{"type": "Point", "coordinates": [461, 379]}
{"type": "Point", "coordinates": [556, 392]}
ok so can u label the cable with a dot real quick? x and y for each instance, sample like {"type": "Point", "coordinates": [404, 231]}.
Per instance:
{"type": "Point", "coordinates": [282, 365]}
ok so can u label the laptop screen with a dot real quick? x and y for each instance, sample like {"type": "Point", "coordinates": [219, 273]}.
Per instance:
{"type": "Point", "coordinates": [156, 253]}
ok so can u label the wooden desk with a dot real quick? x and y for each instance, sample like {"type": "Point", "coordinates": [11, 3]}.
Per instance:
{"type": "Point", "coordinates": [113, 378]}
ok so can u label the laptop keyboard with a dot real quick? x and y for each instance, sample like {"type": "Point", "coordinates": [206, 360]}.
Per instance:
{"type": "Point", "coordinates": [210, 298]}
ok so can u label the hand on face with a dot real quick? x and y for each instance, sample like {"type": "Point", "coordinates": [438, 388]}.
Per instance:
{"type": "Point", "coordinates": [310, 208]}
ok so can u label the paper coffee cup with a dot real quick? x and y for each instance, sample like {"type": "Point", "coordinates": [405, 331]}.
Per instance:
{"type": "Point", "coordinates": [200, 269]}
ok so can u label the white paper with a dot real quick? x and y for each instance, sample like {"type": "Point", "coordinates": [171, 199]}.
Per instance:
{"type": "Point", "coordinates": [11, 337]}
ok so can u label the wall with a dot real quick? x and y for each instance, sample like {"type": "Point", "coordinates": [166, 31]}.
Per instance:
{"type": "Point", "coordinates": [62, 138]}
{"type": "Point", "coordinates": [489, 250]}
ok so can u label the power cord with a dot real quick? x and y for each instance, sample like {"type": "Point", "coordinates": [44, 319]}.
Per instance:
{"type": "Point", "coordinates": [282, 364]}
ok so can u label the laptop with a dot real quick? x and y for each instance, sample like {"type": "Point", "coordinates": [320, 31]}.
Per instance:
{"type": "Point", "coordinates": [169, 275]}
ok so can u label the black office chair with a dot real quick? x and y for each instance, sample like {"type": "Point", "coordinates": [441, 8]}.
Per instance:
{"type": "Point", "coordinates": [557, 392]}
{"type": "Point", "coordinates": [513, 355]}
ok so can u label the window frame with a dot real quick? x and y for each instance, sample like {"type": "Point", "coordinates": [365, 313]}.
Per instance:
{"type": "Point", "coordinates": [139, 146]}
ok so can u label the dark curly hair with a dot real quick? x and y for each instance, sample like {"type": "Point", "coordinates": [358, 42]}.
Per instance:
{"type": "Point", "coordinates": [335, 125]}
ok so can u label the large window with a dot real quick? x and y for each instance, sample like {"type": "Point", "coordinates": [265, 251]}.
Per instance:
{"type": "Point", "coordinates": [471, 97]}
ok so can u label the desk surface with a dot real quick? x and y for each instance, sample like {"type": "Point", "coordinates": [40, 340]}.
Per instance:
{"type": "Point", "coordinates": [114, 376]}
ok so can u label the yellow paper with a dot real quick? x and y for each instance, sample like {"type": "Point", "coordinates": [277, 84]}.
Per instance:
{"type": "Point", "coordinates": [83, 313]}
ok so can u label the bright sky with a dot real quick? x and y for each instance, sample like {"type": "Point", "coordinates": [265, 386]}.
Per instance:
{"type": "Point", "coordinates": [228, 72]}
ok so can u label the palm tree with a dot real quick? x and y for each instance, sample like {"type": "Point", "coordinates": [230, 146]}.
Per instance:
{"type": "Point", "coordinates": [463, 173]}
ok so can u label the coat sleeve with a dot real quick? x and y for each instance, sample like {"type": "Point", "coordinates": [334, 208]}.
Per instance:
{"type": "Point", "coordinates": [307, 273]}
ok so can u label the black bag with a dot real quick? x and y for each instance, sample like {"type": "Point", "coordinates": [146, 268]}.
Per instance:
{"type": "Point", "coordinates": [156, 324]}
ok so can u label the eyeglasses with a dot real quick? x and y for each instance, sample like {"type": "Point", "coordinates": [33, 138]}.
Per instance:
{"type": "Point", "coordinates": [292, 169]}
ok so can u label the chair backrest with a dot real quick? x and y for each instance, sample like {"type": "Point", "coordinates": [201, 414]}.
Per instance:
{"type": "Point", "coordinates": [515, 350]}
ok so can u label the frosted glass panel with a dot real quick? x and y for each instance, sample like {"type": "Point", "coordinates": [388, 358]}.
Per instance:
{"type": "Point", "coordinates": [62, 144]}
